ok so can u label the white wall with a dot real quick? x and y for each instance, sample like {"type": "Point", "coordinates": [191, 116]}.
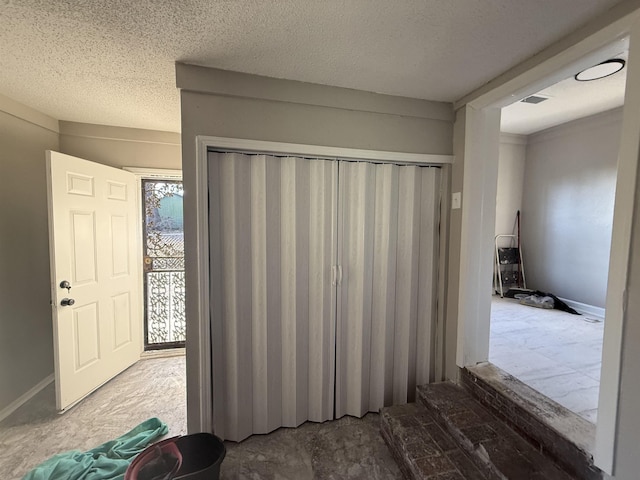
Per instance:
{"type": "Point", "coordinates": [511, 161]}
{"type": "Point", "coordinates": [567, 213]}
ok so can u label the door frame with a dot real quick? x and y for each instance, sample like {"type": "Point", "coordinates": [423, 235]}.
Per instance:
{"type": "Point", "coordinates": [143, 173]}
{"type": "Point", "coordinates": [199, 345]}
{"type": "Point", "coordinates": [476, 145]}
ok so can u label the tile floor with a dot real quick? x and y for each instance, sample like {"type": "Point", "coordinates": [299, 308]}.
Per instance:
{"type": "Point", "coordinates": [348, 448]}
{"type": "Point", "coordinates": [554, 352]}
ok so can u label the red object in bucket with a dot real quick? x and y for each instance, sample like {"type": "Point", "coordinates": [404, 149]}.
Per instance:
{"type": "Point", "coordinates": [200, 456]}
{"type": "Point", "coordinates": [151, 464]}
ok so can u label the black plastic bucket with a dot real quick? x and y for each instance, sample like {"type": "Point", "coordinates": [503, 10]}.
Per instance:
{"type": "Point", "coordinates": [199, 456]}
{"type": "Point", "coordinates": [202, 454]}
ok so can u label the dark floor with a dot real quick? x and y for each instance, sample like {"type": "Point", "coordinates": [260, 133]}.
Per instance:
{"type": "Point", "coordinates": [348, 448]}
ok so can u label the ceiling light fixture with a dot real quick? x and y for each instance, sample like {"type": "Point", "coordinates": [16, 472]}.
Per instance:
{"type": "Point", "coordinates": [604, 69]}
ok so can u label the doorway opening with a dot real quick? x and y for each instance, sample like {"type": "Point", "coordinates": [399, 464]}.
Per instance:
{"type": "Point", "coordinates": [163, 252]}
{"type": "Point", "coordinates": [479, 122]}
{"type": "Point", "coordinates": [557, 167]}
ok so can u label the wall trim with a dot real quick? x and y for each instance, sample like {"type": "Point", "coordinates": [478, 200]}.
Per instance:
{"type": "Point", "coordinates": [585, 309]}
{"type": "Point", "coordinates": [203, 390]}
{"type": "Point", "coordinates": [237, 144]}
{"type": "Point", "coordinates": [25, 397]}
{"type": "Point", "coordinates": [513, 138]}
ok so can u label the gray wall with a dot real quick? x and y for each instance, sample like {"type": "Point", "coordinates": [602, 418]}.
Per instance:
{"type": "Point", "coordinates": [511, 162]}
{"type": "Point", "coordinates": [567, 214]}
{"type": "Point", "coordinates": [26, 337]}
{"type": "Point", "coordinates": [26, 348]}
{"type": "Point", "coordinates": [121, 147]}
{"type": "Point", "coordinates": [229, 104]}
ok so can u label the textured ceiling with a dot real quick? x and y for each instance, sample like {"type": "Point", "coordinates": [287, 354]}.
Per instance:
{"type": "Point", "coordinates": [112, 62]}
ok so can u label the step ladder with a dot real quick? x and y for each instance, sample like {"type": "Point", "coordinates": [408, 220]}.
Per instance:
{"type": "Point", "coordinates": [509, 269]}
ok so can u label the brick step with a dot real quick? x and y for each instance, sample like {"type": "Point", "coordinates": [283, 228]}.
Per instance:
{"type": "Point", "coordinates": [422, 449]}
{"type": "Point", "coordinates": [497, 450]}
{"type": "Point", "coordinates": [551, 428]}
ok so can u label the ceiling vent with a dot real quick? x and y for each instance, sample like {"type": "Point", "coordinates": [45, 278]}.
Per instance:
{"type": "Point", "coordinates": [534, 99]}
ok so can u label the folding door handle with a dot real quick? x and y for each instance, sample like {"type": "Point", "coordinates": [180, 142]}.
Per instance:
{"type": "Point", "coordinates": [336, 273]}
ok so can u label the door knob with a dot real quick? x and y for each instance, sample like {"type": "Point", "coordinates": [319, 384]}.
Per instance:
{"type": "Point", "coordinates": [67, 302]}
{"type": "Point", "coordinates": [65, 284]}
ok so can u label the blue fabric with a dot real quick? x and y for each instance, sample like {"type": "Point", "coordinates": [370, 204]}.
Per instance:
{"type": "Point", "coordinates": [108, 461]}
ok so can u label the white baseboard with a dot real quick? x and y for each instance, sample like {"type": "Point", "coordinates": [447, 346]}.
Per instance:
{"type": "Point", "coordinates": [587, 310]}
{"type": "Point", "coordinates": [25, 397]}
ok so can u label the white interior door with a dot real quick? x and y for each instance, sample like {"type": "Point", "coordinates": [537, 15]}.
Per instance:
{"type": "Point", "coordinates": [93, 232]}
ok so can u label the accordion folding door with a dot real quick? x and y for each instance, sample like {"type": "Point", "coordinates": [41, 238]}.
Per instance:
{"type": "Point", "coordinates": [323, 285]}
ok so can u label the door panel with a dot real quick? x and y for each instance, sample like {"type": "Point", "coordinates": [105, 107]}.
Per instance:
{"type": "Point", "coordinates": [86, 336]}
{"type": "Point", "coordinates": [119, 241]}
{"type": "Point", "coordinates": [355, 256]}
{"type": "Point", "coordinates": [272, 224]}
{"type": "Point", "coordinates": [121, 319]}
{"type": "Point", "coordinates": [83, 227]}
{"type": "Point", "coordinates": [93, 246]}
{"type": "Point", "coordinates": [387, 217]}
